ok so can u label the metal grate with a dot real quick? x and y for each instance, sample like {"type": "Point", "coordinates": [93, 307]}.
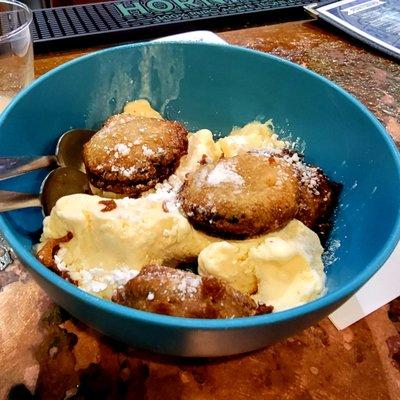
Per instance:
{"type": "Point", "coordinates": [92, 21]}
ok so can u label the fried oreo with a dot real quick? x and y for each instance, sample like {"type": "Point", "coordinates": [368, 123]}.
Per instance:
{"type": "Point", "coordinates": [131, 154]}
{"type": "Point", "coordinates": [170, 291]}
{"type": "Point", "coordinates": [243, 196]}
{"type": "Point", "coordinates": [317, 202]}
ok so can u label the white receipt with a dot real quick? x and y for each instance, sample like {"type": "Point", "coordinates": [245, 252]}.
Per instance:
{"type": "Point", "coordinates": [382, 288]}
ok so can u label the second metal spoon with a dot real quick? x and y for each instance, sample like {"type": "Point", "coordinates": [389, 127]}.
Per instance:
{"type": "Point", "coordinates": [68, 154]}
{"type": "Point", "coordinates": [58, 183]}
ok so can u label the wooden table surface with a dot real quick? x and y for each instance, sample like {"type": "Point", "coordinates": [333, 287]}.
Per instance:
{"type": "Point", "coordinates": [45, 354]}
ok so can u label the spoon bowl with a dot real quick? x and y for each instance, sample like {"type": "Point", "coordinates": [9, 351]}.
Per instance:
{"type": "Point", "coordinates": [69, 148]}
{"type": "Point", "coordinates": [58, 183]}
{"type": "Point", "coordinates": [68, 154]}
{"type": "Point", "coordinates": [61, 182]}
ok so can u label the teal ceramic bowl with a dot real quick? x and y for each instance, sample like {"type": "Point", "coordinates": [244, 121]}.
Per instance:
{"type": "Point", "coordinates": [215, 87]}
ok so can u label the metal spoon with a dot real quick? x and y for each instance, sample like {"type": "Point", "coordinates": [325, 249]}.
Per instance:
{"type": "Point", "coordinates": [68, 154]}
{"type": "Point", "coordinates": [58, 183]}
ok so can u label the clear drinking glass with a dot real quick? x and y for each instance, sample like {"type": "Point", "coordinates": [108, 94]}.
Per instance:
{"type": "Point", "coordinates": [16, 67]}
{"type": "Point", "coordinates": [16, 53]}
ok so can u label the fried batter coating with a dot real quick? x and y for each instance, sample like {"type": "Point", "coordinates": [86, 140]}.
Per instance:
{"type": "Point", "coordinates": [46, 255]}
{"type": "Point", "coordinates": [47, 252]}
{"type": "Point", "coordinates": [131, 154]}
{"type": "Point", "coordinates": [170, 291]}
{"type": "Point", "coordinates": [317, 201]}
{"type": "Point", "coordinates": [242, 196]}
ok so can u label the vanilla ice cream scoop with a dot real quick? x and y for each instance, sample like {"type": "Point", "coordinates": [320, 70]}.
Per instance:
{"type": "Point", "coordinates": [283, 269]}
{"type": "Point", "coordinates": [201, 148]}
{"type": "Point", "coordinates": [136, 233]}
{"type": "Point", "coordinates": [253, 136]}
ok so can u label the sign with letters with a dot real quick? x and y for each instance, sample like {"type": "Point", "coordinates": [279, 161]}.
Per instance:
{"type": "Point", "coordinates": [137, 11]}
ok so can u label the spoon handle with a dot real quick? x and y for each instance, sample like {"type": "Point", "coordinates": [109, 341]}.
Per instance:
{"type": "Point", "coordinates": [15, 200]}
{"type": "Point", "coordinates": [14, 166]}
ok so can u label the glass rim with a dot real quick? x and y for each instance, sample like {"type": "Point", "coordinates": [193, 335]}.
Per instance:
{"type": "Point", "coordinates": [21, 27]}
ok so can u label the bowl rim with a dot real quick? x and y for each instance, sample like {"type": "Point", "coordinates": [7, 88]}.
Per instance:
{"type": "Point", "coordinates": [323, 302]}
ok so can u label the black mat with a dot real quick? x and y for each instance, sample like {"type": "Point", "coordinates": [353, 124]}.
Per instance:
{"type": "Point", "coordinates": [130, 20]}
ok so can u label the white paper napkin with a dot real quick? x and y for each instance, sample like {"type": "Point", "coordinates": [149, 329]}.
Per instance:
{"type": "Point", "coordinates": [382, 288]}
{"type": "Point", "coordinates": [195, 36]}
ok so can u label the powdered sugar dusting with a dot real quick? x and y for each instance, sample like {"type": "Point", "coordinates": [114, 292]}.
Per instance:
{"type": "Point", "coordinates": [329, 257]}
{"type": "Point", "coordinates": [147, 151]}
{"type": "Point", "coordinates": [188, 285]}
{"type": "Point", "coordinates": [150, 296]}
{"type": "Point", "coordinates": [58, 259]}
{"type": "Point", "coordinates": [309, 175]}
{"type": "Point", "coordinates": [122, 149]}
{"type": "Point", "coordinates": [166, 193]}
{"type": "Point", "coordinates": [184, 284]}
{"type": "Point", "coordinates": [126, 172]}
{"type": "Point", "coordinates": [224, 172]}
{"type": "Point", "coordinates": [96, 280]}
